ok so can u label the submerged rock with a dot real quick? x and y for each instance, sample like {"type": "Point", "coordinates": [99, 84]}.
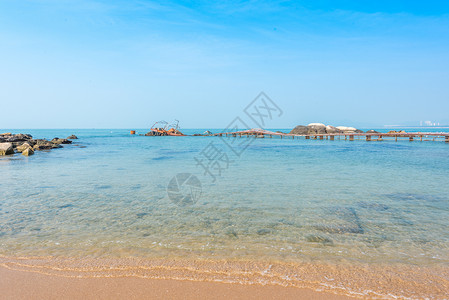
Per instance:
{"type": "Point", "coordinates": [319, 239]}
{"type": "Point", "coordinates": [264, 231]}
{"type": "Point", "coordinates": [232, 233]}
{"type": "Point", "coordinates": [6, 149]}
{"type": "Point", "coordinates": [340, 220]}
{"type": "Point", "coordinates": [373, 205]}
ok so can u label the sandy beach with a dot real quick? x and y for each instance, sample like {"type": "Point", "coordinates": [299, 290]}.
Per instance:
{"type": "Point", "coordinates": [224, 149]}
{"type": "Point", "coordinates": [76, 278]}
{"type": "Point", "coordinates": [31, 285]}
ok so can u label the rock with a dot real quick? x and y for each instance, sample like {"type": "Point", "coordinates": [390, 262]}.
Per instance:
{"type": "Point", "coordinates": [19, 138]}
{"type": "Point", "coordinates": [372, 131]}
{"type": "Point", "coordinates": [72, 137]}
{"type": "Point", "coordinates": [339, 220]}
{"type": "Point", "coordinates": [300, 130]}
{"type": "Point", "coordinates": [317, 128]}
{"type": "Point", "coordinates": [6, 134]}
{"type": "Point", "coordinates": [394, 131]}
{"type": "Point", "coordinates": [16, 144]}
{"type": "Point", "coordinates": [319, 239]}
{"type": "Point", "coordinates": [373, 205]}
{"type": "Point", "coordinates": [40, 147]}
{"type": "Point", "coordinates": [155, 133]}
{"type": "Point", "coordinates": [60, 141]}
{"type": "Point", "coordinates": [6, 149]}
{"type": "Point", "coordinates": [317, 125]}
{"type": "Point", "coordinates": [346, 129]}
{"type": "Point", "coordinates": [231, 233]}
{"type": "Point", "coordinates": [264, 231]}
{"type": "Point", "coordinates": [28, 152]}
{"type": "Point", "coordinates": [43, 144]}
{"type": "Point", "coordinates": [26, 144]}
{"type": "Point", "coordinates": [332, 129]}
{"type": "Point", "coordinates": [23, 147]}
{"type": "Point", "coordinates": [320, 128]}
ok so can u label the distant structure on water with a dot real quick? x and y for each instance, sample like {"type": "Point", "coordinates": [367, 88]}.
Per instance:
{"type": "Point", "coordinates": [429, 123]}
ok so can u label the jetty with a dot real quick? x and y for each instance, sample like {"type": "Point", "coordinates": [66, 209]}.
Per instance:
{"type": "Point", "coordinates": [377, 136]}
{"type": "Point", "coordinates": [313, 131]}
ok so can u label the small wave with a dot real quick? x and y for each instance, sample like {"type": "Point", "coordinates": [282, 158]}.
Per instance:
{"type": "Point", "coordinates": [372, 281]}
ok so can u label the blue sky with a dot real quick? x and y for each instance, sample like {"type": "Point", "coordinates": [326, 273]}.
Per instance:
{"type": "Point", "coordinates": [126, 64]}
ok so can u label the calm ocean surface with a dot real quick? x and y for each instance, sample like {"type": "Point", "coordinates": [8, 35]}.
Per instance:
{"type": "Point", "coordinates": [285, 200]}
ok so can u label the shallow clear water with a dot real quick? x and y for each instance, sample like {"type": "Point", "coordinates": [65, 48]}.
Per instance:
{"type": "Point", "coordinates": [285, 200]}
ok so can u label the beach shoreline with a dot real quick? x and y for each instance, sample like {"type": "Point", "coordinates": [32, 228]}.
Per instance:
{"type": "Point", "coordinates": [200, 277]}
{"type": "Point", "coordinates": [30, 285]}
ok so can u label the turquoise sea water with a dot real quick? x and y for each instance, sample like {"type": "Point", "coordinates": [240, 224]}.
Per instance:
{"type": "Point", "coordinates": [289, 200]}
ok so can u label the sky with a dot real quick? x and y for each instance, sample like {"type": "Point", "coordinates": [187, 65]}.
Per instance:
{"type": "Point", "coordinates": [127, 63]}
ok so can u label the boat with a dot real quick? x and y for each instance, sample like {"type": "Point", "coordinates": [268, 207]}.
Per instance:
{"type": "Point", "coordinates": [163, 128]}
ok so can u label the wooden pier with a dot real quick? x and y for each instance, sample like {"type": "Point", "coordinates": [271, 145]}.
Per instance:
{"type": "Point", "coordinates": [379, 136]}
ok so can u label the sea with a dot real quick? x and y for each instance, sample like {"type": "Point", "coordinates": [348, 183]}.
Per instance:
{"type": "Point", "coordinates": [352, 217]}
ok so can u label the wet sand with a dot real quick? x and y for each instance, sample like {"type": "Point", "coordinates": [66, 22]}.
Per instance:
{"type": "Point", "coordinates": [76, 277]}
{"type": "Point", "coordinates": [30, 285]}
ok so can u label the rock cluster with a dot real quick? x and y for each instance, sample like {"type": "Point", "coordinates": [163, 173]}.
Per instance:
{"type": "Point", "coordinates": [319, 128]}
{"type": "Point", "coordinates": [25, 144]}
{"type": "Point", "coordinates": [394, 131]}
{"type": "Point", "coordinates": [155, 133]}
